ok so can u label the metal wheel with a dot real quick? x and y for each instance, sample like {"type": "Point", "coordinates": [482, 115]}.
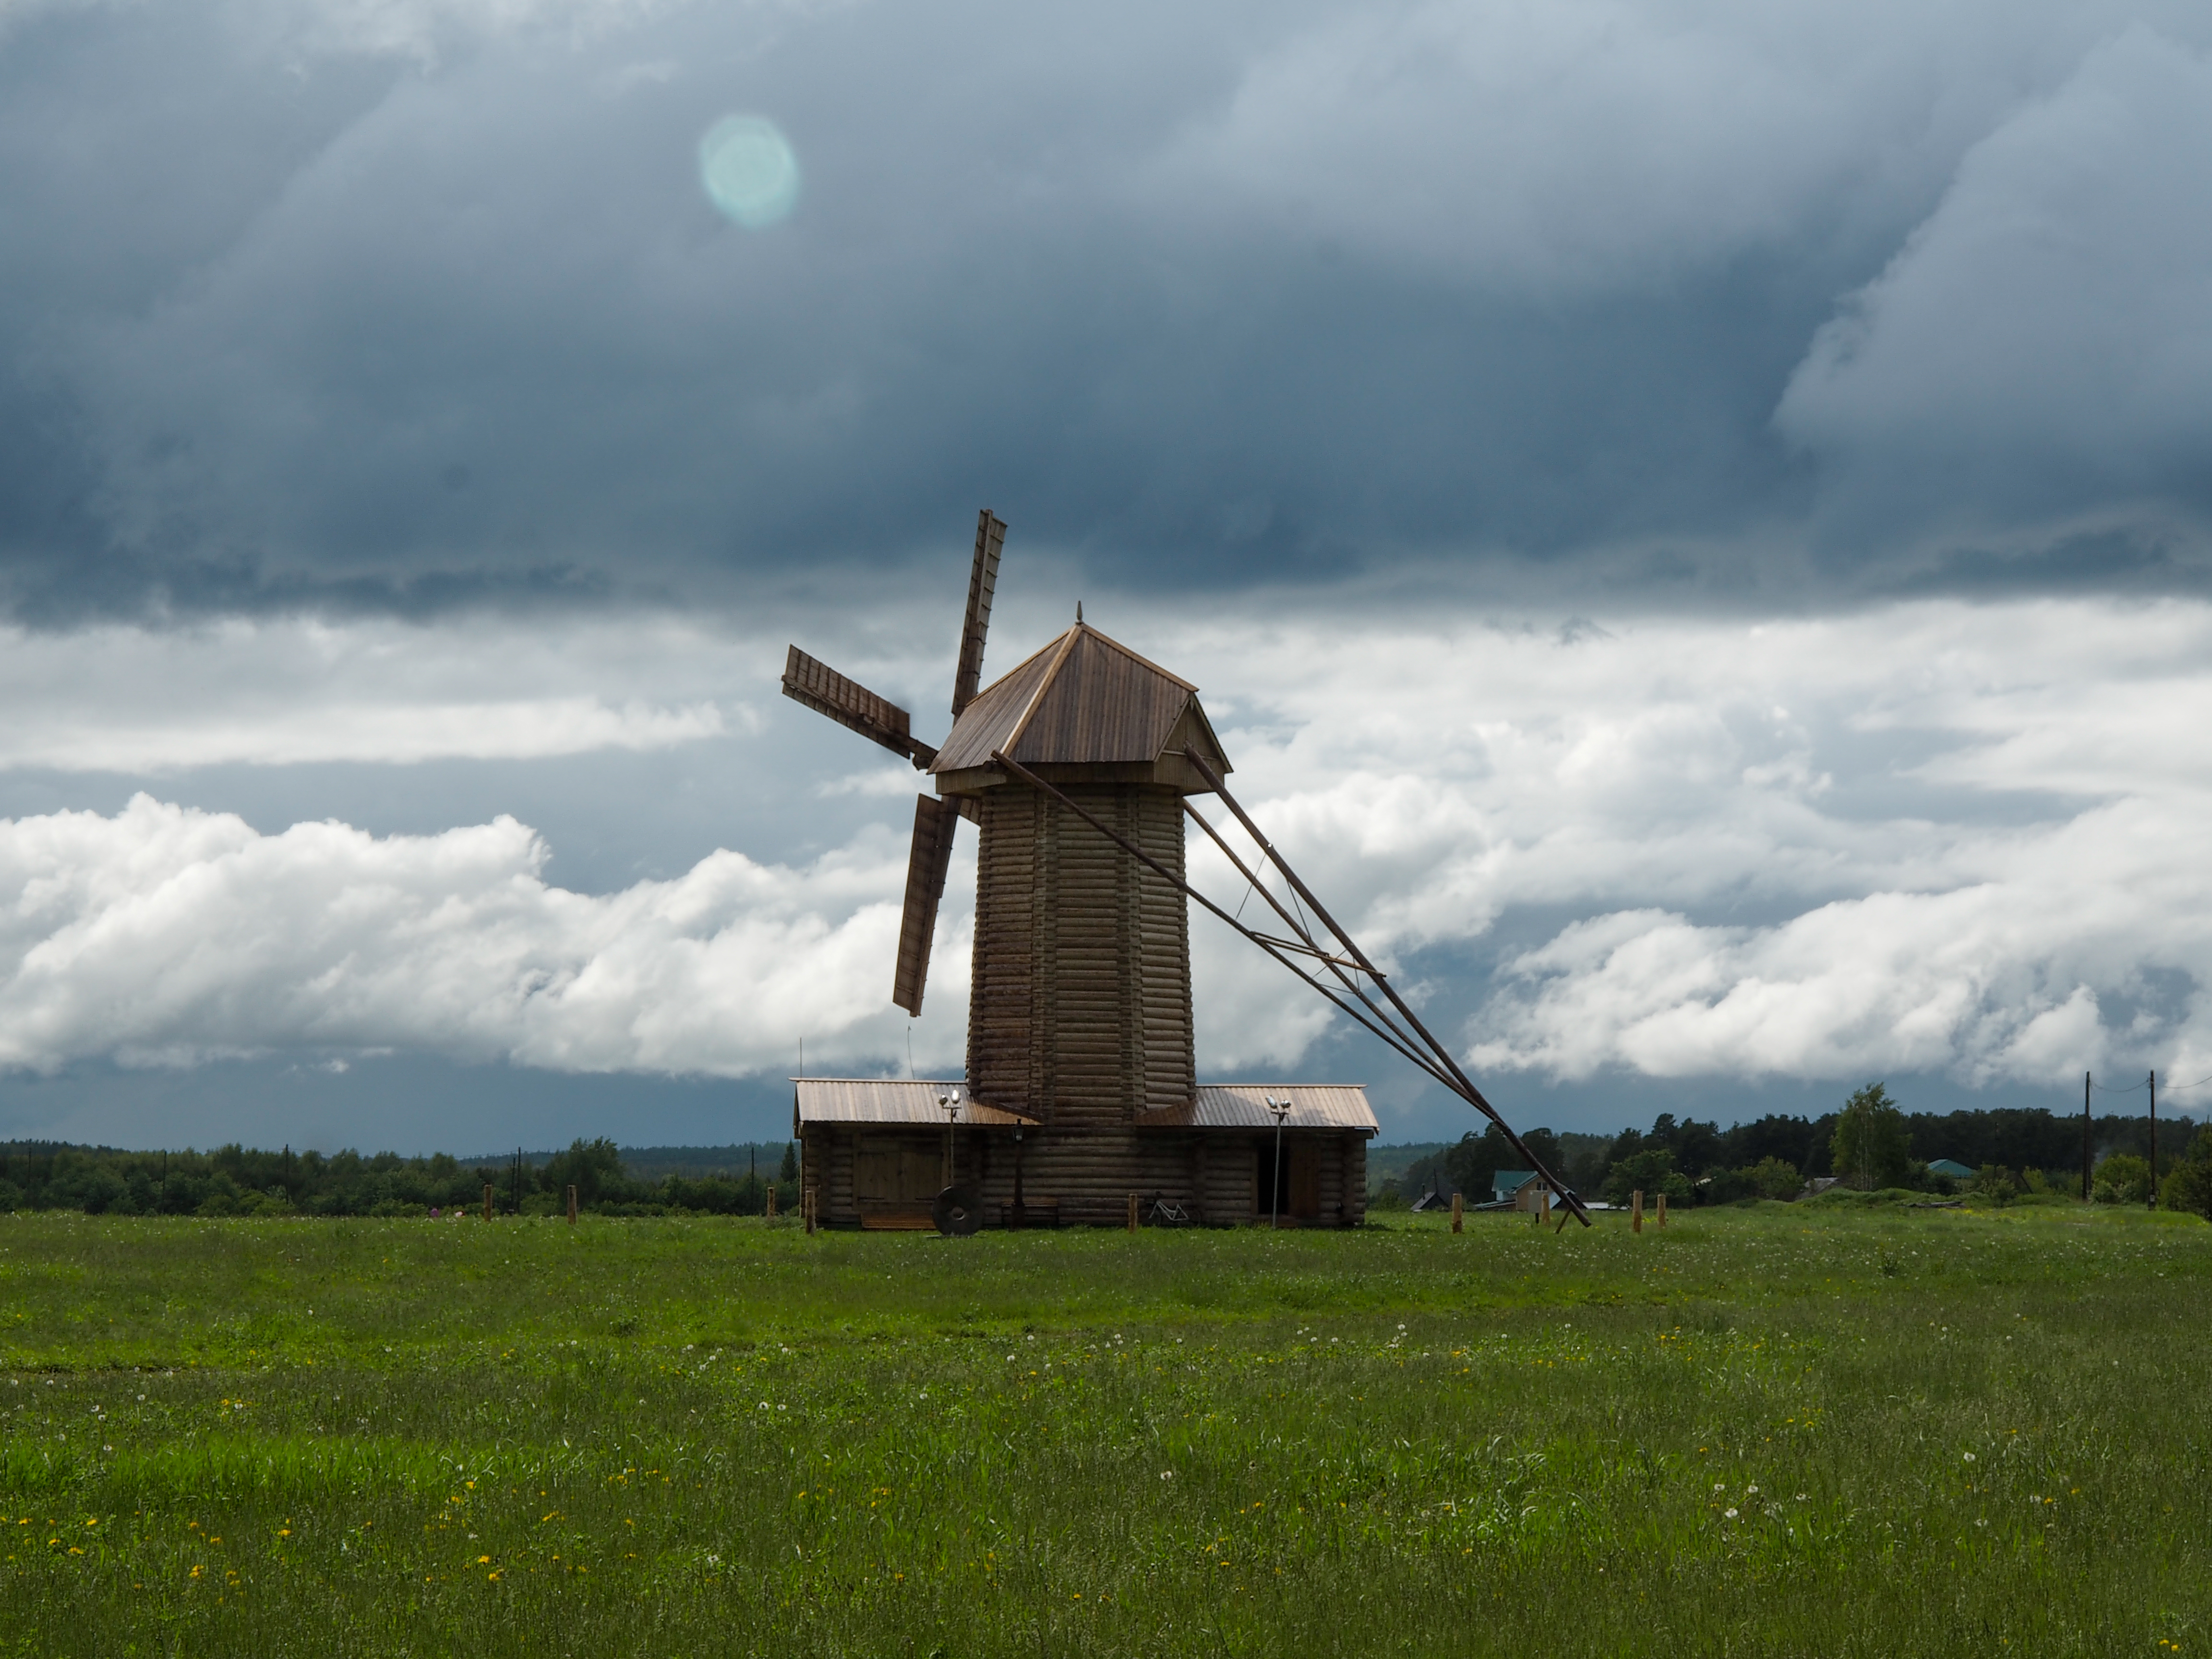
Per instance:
{"type": "Point", "coordinates": [956, 1212]}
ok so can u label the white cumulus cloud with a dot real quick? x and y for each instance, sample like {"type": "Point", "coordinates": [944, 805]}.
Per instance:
{"type": "Point", "coordinates": [164, 935]}
{"type": "Point", "coordinates": [1934, 836]}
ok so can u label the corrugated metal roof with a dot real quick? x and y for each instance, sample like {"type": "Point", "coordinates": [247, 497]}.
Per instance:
{"type": "Point", "coordinates": [890, 1100]}
{"type": "Point", "coordinates": [1244, 1106]}
{"type": "Point", "coordinates": [1084, 700]}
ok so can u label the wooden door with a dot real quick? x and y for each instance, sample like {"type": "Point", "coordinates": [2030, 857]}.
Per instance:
{"type": "Point", "coordinates": [898, 1169]}
{"type": "Point", "coordinates": [1304, 1159]}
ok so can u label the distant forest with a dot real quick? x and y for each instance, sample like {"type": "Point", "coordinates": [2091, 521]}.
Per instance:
{"type": "Point", "coordinates": [1718, 1164]}
{"type": "Point", "coordinates": [235, 1181]}
{"type": "Point", "coordinates": [1699, 1162]}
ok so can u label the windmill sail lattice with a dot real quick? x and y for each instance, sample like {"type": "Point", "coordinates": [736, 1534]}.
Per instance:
{"type": "Point", "coordinates": [927, 865]}
{"type": "Point", "coordinates": [849, 703]}
{"type": "Point", "coordinates": [983, 587]}
{"type": "Point", "coordinates": [822, 689]}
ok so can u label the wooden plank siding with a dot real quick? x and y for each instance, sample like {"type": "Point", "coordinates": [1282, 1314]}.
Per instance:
{"type": "Point", "coordinates": [1084, 700]}
{"type": "Point", "coordinates": [987, 721]}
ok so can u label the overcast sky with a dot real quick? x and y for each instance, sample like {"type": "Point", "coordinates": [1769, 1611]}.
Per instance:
{"type": "Point", "coordinates": [1691, 519]}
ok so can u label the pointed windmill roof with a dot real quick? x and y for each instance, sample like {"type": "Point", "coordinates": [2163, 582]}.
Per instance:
{"type": "Point", "coordinates": [1082, 699]}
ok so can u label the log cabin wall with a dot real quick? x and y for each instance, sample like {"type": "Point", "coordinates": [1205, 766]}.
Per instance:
{"type": "Point", "coordinates": [1232, 1169]}
{"type": "Point", "coordinates": [1343, 1180]}
{"type": "Point", "coordinates": [1217, 1177]}
{"type": "Point", "coordinates": [1080, 1010]}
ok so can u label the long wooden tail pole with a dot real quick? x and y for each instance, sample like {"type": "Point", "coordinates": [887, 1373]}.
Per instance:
{"type": "Point", "coordinates": [1272, 947]}
{"type": "Point", "coordinates": [1334, 964]}
{"type": "Point", "coordinates": [1466, 1088]}
{"type": "Point", "coordinates": [1442, 1067]}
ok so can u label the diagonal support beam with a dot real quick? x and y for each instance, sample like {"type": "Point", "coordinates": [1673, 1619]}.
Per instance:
{"type": "Point", "coordinates": [1461, 1084]}
{"type": "Point", "coordinates": [1395, 1038]}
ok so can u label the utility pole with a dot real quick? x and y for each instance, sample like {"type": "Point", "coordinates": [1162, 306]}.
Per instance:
{"type": "Point", "coordinates": [2085, 1137]}
{"type": "Point", "coordinates": [2153, 1205]}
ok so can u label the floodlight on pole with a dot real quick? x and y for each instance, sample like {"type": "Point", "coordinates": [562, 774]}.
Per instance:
{"type": "Point", "coordinates": [1281, 1109]}
{"type": "Point", "coordinates": [950, 1102]}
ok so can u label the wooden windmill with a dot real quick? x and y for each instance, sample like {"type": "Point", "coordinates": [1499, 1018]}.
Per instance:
{"type": "Point", "coordinates": [1078, 766]}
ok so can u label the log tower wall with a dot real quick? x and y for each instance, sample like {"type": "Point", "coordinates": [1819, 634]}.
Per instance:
{"type": "Point", "coordinates": [1080, 1012]}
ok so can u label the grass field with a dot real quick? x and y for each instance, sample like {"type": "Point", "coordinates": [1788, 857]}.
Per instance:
{"type": "Point", "coordinates": [1810, 1431]}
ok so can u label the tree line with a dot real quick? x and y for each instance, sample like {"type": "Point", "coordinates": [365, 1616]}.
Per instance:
{"type": "Point", "coordinates": [237, 1180]}
{"type": "Point", "coordinates": [1867, 1142]}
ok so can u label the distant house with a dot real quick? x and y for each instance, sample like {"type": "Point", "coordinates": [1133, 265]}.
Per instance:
{"type": "Point", "coordinates": [1516, 1189]}
{"type": "Point", "coordinates": [1819, 1184]}
{"type": "Point", "coordinates": [1951, 1167]}
{"type": "Point", "coordinates": [1438, 1197]}
{"type": "Point", "coordinates": [1506, 1184]}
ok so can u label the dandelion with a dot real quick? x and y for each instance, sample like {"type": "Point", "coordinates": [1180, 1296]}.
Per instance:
{"type": "Point", "coordinates": [1969, 1456]}
{"type": "Point", "coordinates": [1729, 1513]}
{"type": "Point", "coordinates": [1167, 1474]}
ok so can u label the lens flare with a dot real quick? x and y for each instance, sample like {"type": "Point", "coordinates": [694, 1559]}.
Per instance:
{"type": "Point", "coordinates": [749, 170]}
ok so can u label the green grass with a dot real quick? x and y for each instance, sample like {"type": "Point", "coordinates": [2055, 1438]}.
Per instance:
{"type": "Point", "coordinates": [1772, 1431]}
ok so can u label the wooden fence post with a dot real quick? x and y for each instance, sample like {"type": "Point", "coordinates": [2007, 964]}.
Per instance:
{"type": "Point", "coordinates": [1636, 1212]}
{"type": "Point", "coordinates": [487, 1201]}
{"type": "Point", "coordinates": [1543, 1207]}
{"type": "Point", "coordinates": [807, 1206]}
{"type": "Point", "coordinates": [770, 1213]}
{"type": "Point", "coordinates": [1133, 1213]}
{"type": "Point", "coordinates": [572, 1206]}
{"type": "Point", "coordinates": [1455, 1212]}
{"type": "Point", "coordinates": [1662, 1209]}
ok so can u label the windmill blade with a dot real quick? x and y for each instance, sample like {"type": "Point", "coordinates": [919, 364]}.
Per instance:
{"type": "Point", "coordinates": [926, 867]}
{"type": "Point", "coordinates": [848, 702]}
{"type": "Point", "coordinates": [983, 583]}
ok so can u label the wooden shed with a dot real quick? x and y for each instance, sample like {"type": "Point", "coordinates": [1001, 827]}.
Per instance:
{"type": "Point", "coordinates": [877, 1152]}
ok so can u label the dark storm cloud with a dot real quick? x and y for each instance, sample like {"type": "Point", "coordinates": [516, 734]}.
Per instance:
{"type": "Point", "coordinates": [2042, 347]}
{"type": "Point", "coordinates": [407, 308]}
